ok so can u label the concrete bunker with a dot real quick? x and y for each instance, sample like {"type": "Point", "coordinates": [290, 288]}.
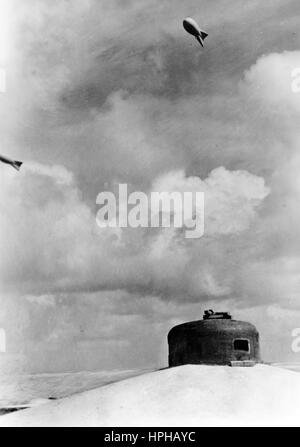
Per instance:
{"type": "Point", "coordinates": [216, 340]}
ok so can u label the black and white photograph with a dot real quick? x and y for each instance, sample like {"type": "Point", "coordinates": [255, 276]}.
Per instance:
{"type": "Point", "coordinates": [149, 216]}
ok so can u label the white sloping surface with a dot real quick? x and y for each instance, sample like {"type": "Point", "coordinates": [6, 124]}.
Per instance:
{"type": "Point", "coordinates": [191, 395]}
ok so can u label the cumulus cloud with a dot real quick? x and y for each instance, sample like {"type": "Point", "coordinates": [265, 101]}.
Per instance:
{"type": "Point", "coordinates": [52, 241]}
{"type": "Point", "coordinates": [231, 197]}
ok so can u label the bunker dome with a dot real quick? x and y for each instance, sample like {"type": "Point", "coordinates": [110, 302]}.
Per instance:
{"type": "Point", "coordinates": [217, 339]}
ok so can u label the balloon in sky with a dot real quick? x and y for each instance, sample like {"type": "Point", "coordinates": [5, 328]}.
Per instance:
{"type": "Point", "coordinates": [192, 27]}
{"type": "Point", "coordinates": [14, 163]}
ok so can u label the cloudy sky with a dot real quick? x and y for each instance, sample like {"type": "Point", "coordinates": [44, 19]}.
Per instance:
{"type": "Point", "coordinates": [106, 92]}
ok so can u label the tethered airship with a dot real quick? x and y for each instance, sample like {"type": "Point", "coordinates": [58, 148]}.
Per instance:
{"type": "Point", "coordinates": [14, 163]}
{"type": "Point", "coordinates": [192, 27]}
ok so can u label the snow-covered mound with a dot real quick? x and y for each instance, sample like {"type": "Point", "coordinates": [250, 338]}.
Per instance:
{"type": "Point", "coordinates": [22, 389]}
{"type": "Point", "coordinates": [191, 395]}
